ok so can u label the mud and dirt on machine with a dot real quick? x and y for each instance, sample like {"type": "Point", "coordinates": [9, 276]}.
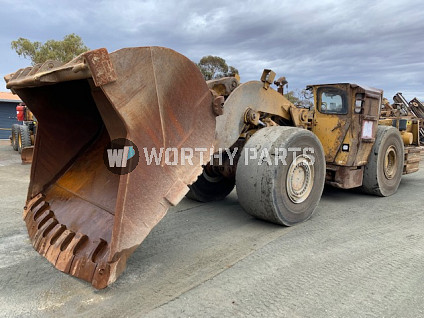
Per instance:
{"type": "Point", "coordinates": [87, 220]}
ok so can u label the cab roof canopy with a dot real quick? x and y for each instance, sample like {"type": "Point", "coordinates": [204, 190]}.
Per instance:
{"type": "Point", "coordinates": [369, 91]}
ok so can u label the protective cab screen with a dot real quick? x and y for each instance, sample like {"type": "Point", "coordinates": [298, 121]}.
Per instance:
{"type": "Point", "coordinates": [332, 100]}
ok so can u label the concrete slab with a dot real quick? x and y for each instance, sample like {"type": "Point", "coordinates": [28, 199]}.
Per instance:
{"type": "Point", "coordinates": [357, 256]}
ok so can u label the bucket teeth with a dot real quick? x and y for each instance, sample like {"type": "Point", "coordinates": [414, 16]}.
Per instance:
{"type": "Point", "coordinates": [45, 242]}
{"type": "Point", "coordinates": [65, 258]}
{"type": "Point", "coordinates": [43, 231]}
{"type": "Point", "coordinates": [34, 201]}
{"type": "Point", "coordinates": [34, 225]}
{"type": "Point", "coordinates": [83, 265]}
{"type": "Point", "coordinates": [61, 243]}
{"type": "Point", "coordinates": [69, 252]}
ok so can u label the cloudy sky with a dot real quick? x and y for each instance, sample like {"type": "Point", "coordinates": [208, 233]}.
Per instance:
{"type": "Point", "coordinates": [375, 43]}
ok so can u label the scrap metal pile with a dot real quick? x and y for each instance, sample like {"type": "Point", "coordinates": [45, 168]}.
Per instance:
{"type": "Point", "coordinates": [401, 108]}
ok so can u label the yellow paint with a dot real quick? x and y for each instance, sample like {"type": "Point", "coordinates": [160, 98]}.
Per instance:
{"type": "Point", "coordinates": [330, 130]}
{"type": "Point", "coordinates": [407, 138]}
{"type": "Point", "coordinates": [343, 156]}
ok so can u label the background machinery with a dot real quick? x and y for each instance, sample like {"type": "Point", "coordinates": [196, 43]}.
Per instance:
{"type": "Point", "coordinates": [23, 135]}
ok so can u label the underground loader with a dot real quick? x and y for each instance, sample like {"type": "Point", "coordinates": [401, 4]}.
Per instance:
{"type": "Point", "coordinates": [86, 215]}
{"type": "Point", "coordinates": [281, 155]}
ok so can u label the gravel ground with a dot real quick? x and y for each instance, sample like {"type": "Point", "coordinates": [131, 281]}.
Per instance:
{"type": "Point", "coordinates": [358, 256]}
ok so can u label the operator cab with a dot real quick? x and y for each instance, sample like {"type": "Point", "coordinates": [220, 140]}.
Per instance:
{"type": "Point", "coordinates": [345, 120]}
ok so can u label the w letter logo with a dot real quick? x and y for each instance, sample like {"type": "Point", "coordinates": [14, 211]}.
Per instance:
{"type": "Point", "coordinates": [121, 156]}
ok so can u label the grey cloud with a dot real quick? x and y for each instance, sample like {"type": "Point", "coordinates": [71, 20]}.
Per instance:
{"type": "Point", "coordinates": [377, 43]}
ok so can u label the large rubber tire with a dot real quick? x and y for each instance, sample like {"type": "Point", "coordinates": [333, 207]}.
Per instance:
{"type": "Point", "coordinates": [15, 134]}
{"type": "Point", "coordinates": [24, 137]}
{"type": "Point", "coordinates": [210, 188]}
{"type": "Point", "coordinates": [383, 172]}
{"type": "Point", "coordinates": [288, 192]}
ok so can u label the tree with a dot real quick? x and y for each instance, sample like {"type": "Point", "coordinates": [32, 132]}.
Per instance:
{"type": "Point", "coordinates": [65, 50]}
{"type": "Point", "coordinates": [213, 67]}
{"type": "Point", "coordinates": [303, 98]}
{"type": "Point", "coordinates": [290, 95]}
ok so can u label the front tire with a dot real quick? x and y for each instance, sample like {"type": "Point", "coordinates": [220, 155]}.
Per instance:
{"type": "Point", "coordinates": [15, 136]}
{"type": "Point", "coordinates": [24, 137]}
{"type": "Point", "coordinates": [210, 187]}
{"type": "Point", "coordinates": [281, 191]}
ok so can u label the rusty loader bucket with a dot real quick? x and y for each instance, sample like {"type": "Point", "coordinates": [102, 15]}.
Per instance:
{"type": "Point", "coordinates": [83, 216]}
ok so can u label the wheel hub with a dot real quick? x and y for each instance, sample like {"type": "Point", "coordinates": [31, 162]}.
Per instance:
{"type": "Point", "coordinates": [300, 179]}
{"type": "Point", "coordinates": [390, 163]}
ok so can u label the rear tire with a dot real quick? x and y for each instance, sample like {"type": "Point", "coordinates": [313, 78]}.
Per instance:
{"type": "Point", "coordinates": [24, 138]}
{"type": "Point", "coordinates": [15, 134]}
{"type": "Point", "coordinates": [383, 172]}
{"type": "Point", "coordinates": [209, 188]}
{"type": "Point", "coordinates": [287, 192]}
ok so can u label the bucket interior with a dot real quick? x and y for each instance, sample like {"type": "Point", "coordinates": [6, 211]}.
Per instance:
{"type": "Point", "coordinates": [72, 195]}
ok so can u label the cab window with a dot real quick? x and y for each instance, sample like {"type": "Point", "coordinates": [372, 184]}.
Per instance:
{"type": "Point", "coordinates": [332, 100]}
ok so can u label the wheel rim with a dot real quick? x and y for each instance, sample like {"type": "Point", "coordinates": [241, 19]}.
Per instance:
{"type": "Point", "coordinates": [20, 141]}
{"type": "Point", "coordinates": [300, 179]}
{"type": "Point", "coordinates": [390, 163]}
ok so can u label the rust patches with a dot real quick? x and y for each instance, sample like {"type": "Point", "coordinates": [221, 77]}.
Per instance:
{"type": "Point", "coordinates": [50, 238]}
{"type": "Point", "coordinates": [100, 66]}
{"type": "Point", "coordinates": [218, 105]}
